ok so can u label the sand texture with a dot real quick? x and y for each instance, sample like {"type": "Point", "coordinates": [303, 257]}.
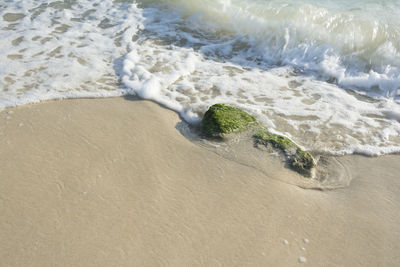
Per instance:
{"type": "Point", "coordinates": [112, 182]}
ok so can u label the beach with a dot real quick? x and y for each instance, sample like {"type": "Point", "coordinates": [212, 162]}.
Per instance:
{"type": "Point", "coordinates": [199, 133]}
{"type": "Point", "coordinates": [114, 182]}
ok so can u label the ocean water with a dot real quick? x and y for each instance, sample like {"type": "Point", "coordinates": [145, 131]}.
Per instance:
{"type": "Point", "coordinates": [325, 73]}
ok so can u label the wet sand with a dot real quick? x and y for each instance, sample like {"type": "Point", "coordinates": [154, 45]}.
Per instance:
{"type": "Point", "coordinates": [112, 182]}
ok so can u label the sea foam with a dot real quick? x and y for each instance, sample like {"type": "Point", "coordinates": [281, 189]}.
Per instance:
{"type": "Point", "coordinates": [62, 49]}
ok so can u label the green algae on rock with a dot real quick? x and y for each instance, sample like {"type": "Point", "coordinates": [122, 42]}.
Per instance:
{"type": "Point", "coordinates": [299, 160]}
{"type": "Point", "coordinates": [221, 119]}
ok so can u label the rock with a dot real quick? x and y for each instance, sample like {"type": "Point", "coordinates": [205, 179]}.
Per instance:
{"type": "Point", "coordinates": [299, 160]}
{"type": "Point", "coordinates": [222, 119]}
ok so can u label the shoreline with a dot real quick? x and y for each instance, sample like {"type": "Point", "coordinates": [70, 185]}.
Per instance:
{"type": "Point", "coordinates": [112, 181]}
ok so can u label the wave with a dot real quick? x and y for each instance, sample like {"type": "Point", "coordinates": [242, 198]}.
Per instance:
{"type": "Point", "coordinates": [355, 49]}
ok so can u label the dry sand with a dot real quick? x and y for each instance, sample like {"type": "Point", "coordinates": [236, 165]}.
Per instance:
{"type": "Point", "coordinates": [112, 182]}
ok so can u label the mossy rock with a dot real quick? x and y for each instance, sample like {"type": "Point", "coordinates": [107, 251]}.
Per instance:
{"type": "Point", "coordinates": [299, 160]}
{"type": "Point", "coordinates": [302, 162]}
{"type": "Point", "coordinates": [221, 119]}
{"type": "Point", "coordinates": [278, 141]}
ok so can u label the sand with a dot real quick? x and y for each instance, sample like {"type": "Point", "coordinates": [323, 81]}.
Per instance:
{"type": "Point", "coordinates": [112, 182]}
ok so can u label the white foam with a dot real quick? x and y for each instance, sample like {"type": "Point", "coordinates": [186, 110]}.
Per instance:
{"type": "Point", "coordinates": [62, 50]}
{"type": "Point", "coordinates": [313, 35]}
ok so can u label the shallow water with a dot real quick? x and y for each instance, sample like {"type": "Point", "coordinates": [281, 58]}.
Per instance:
{"type": "Point", "coordinates": [325, 73]}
